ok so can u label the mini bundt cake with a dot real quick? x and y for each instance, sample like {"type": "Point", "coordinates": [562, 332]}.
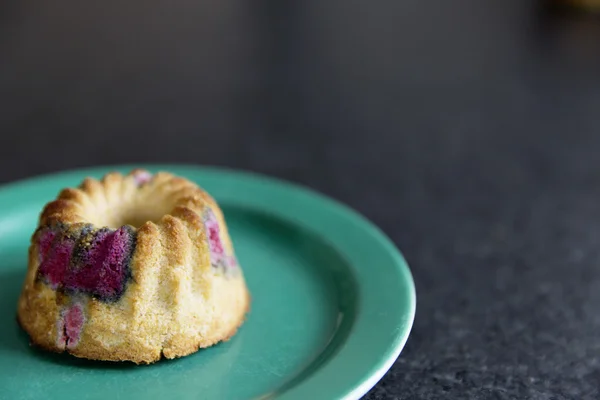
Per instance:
{"type": "Point", "coordinates": [132, 268]}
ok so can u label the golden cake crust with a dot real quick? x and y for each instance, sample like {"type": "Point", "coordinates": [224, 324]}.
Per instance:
{"type": "Point", "coordinates": [180, 296]}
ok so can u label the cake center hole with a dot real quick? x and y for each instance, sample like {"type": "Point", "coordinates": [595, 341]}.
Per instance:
{"type": "Point", "coordinates": [141, 210]}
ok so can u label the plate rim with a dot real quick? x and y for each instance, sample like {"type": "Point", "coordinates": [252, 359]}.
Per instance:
{"type": "Point", "coordinates": [398, 338]}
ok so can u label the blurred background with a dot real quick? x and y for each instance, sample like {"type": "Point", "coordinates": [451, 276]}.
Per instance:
{"type": "Point", "coordinates": [467, 130]}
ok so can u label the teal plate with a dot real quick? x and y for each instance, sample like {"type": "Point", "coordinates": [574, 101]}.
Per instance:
{"type": "Point", "coordinates": [332, 301]}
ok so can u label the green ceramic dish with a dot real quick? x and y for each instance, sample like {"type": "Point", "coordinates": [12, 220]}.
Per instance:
{"type": "Point", "coordinates": [333, 301]}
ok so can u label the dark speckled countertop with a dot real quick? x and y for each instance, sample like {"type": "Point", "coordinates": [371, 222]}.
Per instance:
{"type": "Point", "coordinates": [468, 130]}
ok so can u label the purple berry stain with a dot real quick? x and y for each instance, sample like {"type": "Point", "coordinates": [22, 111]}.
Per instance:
{"type": "Point", "coordinates": [218, 256]}
{"type": "Point", "coordinates": [231, 262]}
{"type": "Point", "coordinates": [91, 262]}
{"type": "Point", "coordinates": [102, 270]}
{"type": "Point", "coordinates": [142, 177]}
{"type": "Point", "coordinates": [56, 258]}
{"type": "Point", "coordinates": [46, 238]}
{"type": "Point", "coordinates": [213, 233]}
{"type": "Point", "coordinates": [70, 325]}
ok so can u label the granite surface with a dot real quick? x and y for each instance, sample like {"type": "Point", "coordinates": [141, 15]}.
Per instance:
{"type": "Point", "coordinates": [468, 130]}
